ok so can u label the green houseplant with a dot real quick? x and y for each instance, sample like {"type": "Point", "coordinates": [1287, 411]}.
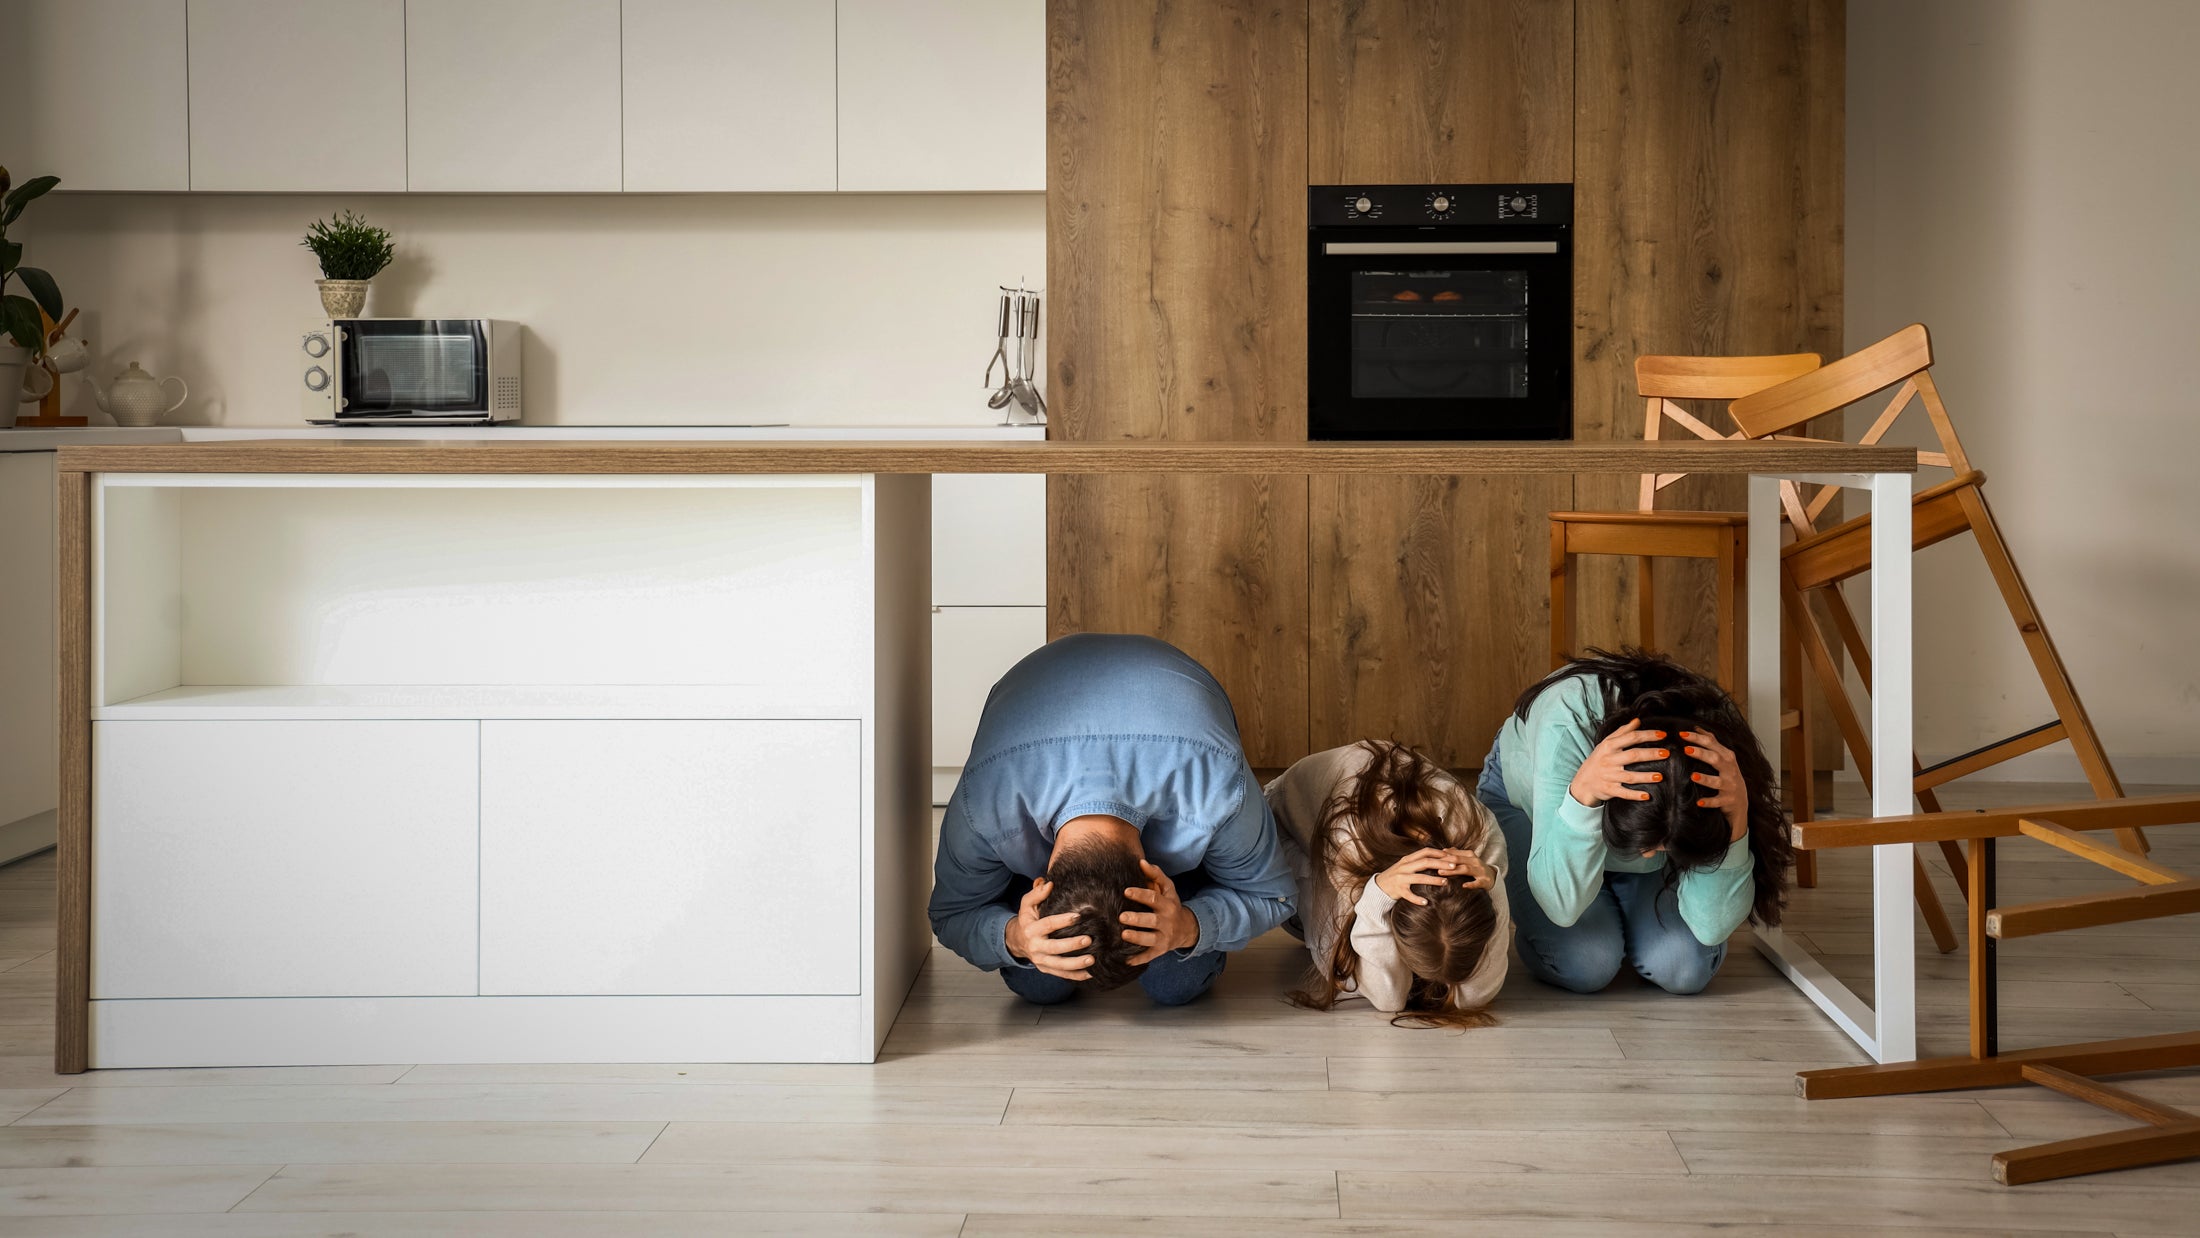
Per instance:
{"type": "Point", "coordinates": [351, 252]}
{"type": "Point", "coordinates": [25, 332]}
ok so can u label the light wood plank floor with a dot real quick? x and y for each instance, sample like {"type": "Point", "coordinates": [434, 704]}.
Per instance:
{"type": "Point", "coordinates": [1240, 1116]}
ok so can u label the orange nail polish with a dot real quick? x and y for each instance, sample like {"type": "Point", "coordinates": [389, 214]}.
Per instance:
{"type": "Point", "coordinates": [1657, 778]}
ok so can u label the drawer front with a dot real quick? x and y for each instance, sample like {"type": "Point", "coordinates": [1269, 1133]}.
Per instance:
{"type": "Point", "coordinates": [671, 857]}
{"type": "Point", "coordinates": [283, 859]}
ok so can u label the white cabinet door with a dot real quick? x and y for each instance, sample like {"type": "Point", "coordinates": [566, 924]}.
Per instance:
{"type": "Point", "coordinates": [95, 93]}
{"type": "Point", "coordinates": [989, 539]}
{"type": "Point", "coordinates": [290, 95]}
{"type": "Point", "coordinates": [512, 95]}
{"type": "Point", "coordinates": [944, 95]}
{"type": "Point", "coordinates": [726, 97]}
{"type": "Point", "coordinates": [283, 859]}
{"type": "Point", "coordinates": [972, 647]}
{"type": "Point", "coordinates": [671, 857]}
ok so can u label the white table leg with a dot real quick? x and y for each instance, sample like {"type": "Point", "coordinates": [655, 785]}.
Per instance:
{"type": "Point", "coordinates": [1894, 931]}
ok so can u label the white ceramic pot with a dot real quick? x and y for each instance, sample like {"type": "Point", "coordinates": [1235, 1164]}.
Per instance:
{"type": "Point", "coordinates": [343, 298]}
{"type": "Point", "coordinates": [16, 384]}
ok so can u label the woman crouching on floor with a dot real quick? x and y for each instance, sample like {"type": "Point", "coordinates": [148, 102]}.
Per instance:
{"type": "Point", "coordinates": [1643, 821]}
{"type": "Point", "coordinates": [1402, 894]}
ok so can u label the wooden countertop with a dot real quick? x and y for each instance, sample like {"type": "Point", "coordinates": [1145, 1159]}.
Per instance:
{"type": "Point", "coordinates": [474, 456]}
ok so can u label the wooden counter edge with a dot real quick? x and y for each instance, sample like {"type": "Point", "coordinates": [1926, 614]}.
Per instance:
{"type": "Point", "coordinates": [537, 456]}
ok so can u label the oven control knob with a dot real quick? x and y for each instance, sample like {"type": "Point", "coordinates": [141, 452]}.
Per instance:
{"type": "Point", "coordinates": [1440, 204]}
{"type": "Point", "coordinates": [1518, 204]}
{"type": "Point", "coordinates": [1363, 204]}
{"type": "Point", "coordinates": [317, 345]}
{"type": "Point", "coordinates": [316, 379]}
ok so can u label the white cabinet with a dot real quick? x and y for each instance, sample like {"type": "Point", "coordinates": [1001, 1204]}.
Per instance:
{"type": "Point", "coordinates": [726, 97]}
{"type": "Point", "coordinates": [512, 95]}
{"type": "Point", "coordinates": [972, 647]}
{"type": "Point", "coordinates": [629, 858]}
{"type": "Point", "coordinates": [989, 539]}
{"type": "Point", "coordinates": [947, 95]}
{"type": "Point", "coordinates": [96, 93]}
{"type": "Point", "coordinates": [283, 859]}
{"type": "Point", "coordinates": [290, 95]}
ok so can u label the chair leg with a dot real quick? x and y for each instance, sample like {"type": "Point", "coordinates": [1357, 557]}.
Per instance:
{"type": "Point", "coordinates": [1732, 579]}
{"type": "Point", "coordinates": [1795, 743]}
{"type": "Point", "coordinates": [1562, 603]}
{"type": "Point", "coordinates": [1646, 601]}
{"type": "Point", "coordinates": [2084, 740]}
{"type": "Point", "coordinates": [1928, 901]}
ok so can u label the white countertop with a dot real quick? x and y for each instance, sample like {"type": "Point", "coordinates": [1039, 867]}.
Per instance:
{"type": "Point", "coordinates": [20, 440]}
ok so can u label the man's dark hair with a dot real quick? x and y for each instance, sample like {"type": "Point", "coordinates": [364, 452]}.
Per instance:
{"type": "Point", "coordinates": [1089, 879]}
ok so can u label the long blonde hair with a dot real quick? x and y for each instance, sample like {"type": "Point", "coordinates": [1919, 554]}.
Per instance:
{"type": "Point", "coordinates": [1394, 808]}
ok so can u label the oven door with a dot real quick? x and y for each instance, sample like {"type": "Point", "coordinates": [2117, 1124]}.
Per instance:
{"type": "Point", "coordinates": [400, 367]}
{"type": "Point", "coordinates": [1418, 333]}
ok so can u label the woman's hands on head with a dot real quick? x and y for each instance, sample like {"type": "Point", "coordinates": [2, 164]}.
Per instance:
{"type": "Point", "coordinates": [1604, 774]}
{"type": "Point", "coordinates": [1725, 779]}
{"type": "Point", "coordinates": [1433, 866]}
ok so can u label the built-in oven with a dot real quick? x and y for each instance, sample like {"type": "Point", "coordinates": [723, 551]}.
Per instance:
{"type": "Point", "coordinates": [1440, 312]}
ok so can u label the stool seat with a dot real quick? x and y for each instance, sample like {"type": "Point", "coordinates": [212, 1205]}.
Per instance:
{"type": "Point", "coordinates": [1725, 520]}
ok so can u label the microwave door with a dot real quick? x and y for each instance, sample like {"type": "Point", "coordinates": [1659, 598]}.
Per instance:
{"type": "Point", "coordinates": [410, 367]}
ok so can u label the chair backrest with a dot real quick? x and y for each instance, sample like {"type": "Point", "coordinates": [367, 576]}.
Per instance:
{"type": "Point", "coordinates": [1904, 358]}
{"type": "Point", "coordinates": [1660, 380]}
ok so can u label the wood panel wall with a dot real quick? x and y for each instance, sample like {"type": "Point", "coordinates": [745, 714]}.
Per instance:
{"type": "Point", "coordinates": [1707, 219]}
{"type": "Point", "coordinates": [1176, 273]}
{"type": "Point", "coordinates": [1704, 139]}
{"type": "Point", "coordinates": [1430, 601]}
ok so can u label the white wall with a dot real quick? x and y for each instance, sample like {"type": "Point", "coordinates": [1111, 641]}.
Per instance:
{"type": "Point", "coordinates": [642, 310]}
{"type": "Point", "coordinates": [2023, 178]}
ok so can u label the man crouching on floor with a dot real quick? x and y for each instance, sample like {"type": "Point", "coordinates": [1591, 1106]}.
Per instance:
{"type": "Point", "coordinates": [1107, 827]}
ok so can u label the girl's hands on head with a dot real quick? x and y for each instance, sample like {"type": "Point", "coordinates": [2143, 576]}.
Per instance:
{"type": "Point", "coordinates": [1605, 776]}
{"type": "Point", "coordinates": [1431, 866]}
{"type": "Point", "coordinates": [1726, 779]}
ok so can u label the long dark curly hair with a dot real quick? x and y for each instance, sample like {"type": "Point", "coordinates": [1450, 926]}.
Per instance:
{"type": "Point", "coordinates": [1669, 697]}
{"type": "Point", "coordinates": [1393, 809]}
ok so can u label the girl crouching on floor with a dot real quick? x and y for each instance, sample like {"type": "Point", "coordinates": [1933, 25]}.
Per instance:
{"type": "Point", "coordinates": [1402, 896]}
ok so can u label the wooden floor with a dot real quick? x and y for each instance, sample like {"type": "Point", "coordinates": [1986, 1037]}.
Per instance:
{"type": "Point", "coordinates": [1629, 1111]}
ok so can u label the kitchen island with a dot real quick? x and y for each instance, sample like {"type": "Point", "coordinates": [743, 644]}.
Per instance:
{"type": "Point", "coordinates": [469, 751]}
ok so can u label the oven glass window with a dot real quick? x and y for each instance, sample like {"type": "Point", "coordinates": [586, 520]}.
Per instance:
{"type": "Point", "coordinates": [1439, 335]}
{"type": "Point", "coordinates": [424, 366]}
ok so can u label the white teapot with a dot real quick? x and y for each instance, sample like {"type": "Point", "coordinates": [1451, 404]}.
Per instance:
{"type": "Point", "coordinates": [136, 398]}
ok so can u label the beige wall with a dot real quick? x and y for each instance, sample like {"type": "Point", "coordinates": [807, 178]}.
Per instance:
{"type": "Point", "coordinates": [2024, 178]}
{"type": "Point", "coordinates": [648, 310]}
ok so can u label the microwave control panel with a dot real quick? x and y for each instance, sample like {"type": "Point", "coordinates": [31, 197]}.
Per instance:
{"type": "Point", "coordinates": [317, 368]}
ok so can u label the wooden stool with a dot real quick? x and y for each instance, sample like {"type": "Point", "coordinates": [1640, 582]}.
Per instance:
{"type": "Point", "coordinates": [1647, 534]}
{"type": "Point", "coordinates": [1819, 560]}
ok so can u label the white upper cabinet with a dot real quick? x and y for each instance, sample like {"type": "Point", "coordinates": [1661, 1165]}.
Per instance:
{"type": "Point", "coordinates": [512, 95]}
{"type": "Point", "coordinates": [95, 93]}
{"type": "Point", "coordinates": [946, 95]}
{"type": "Point", "coordinates": [728, 96]}
{"type": "Point", "coordinates": [298, 95]}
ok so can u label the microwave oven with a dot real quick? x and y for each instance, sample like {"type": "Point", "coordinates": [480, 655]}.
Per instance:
{"type": "Point", "coordinates": [411, 371]}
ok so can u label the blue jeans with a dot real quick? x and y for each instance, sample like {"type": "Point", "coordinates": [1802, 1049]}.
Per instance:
{"type": "Point", "coordinates": [1635, 919]}
{"type": "Point", "coordinates": [1168, 980]}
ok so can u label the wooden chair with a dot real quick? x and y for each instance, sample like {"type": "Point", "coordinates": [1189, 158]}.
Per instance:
{"type": "Point", "coordinates": [1818, 561]}
{"type": "Point", "coordinates": [1647, 534]}
{"type": "Point", "coordinates": [2072, 1069]}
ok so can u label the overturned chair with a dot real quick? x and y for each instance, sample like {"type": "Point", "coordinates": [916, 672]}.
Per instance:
{"type": "Point", "coordinates": [2072, 1069]}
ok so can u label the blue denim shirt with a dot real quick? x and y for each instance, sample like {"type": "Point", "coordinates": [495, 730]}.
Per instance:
{"type": "Point", "coordinates": [1130, 727]}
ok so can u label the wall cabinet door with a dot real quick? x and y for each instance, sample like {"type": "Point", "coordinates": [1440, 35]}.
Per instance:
{"type": "Point", "coordinates": [945, 95]}
{"type": "Point", "coordinates": [663, 857]}
{"type": "Point", "coordinates": [512, 95]}
{"type": "Point", "coordinates": [728, 97]}
{"type": "Point", "coordinates": [283, 859]}
{"type": "Point", "coordinates": [989, 539]}
{"type": "Point", "coordinates": [96, 93]}
{"type": "Point", "coordinates": [298, 95]}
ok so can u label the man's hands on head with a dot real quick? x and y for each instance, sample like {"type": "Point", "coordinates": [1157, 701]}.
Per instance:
{"type": "Point", "coordinates": [1167, 924]}
{"type": "Point", "coordinates": [1031, 937]}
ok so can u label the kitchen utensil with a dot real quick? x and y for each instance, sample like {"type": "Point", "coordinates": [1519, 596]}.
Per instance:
{"type": "Point", "coordinates": [136, 398]}
{"type": "Point", "coordinates": [1000, 398]}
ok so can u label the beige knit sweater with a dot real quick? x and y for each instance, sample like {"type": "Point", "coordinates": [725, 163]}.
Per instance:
{"type": "Point", "coordinates": [1298, 798]}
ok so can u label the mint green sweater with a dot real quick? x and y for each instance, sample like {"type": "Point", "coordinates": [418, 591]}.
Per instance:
{"type": "Point", "coordinates": [1567, 858]}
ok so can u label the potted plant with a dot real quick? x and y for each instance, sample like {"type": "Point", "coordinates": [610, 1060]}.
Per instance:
{"type": "Point", "coordinates": [24, 330]}
{"type": "Point", "coordinates": [352, 252]}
